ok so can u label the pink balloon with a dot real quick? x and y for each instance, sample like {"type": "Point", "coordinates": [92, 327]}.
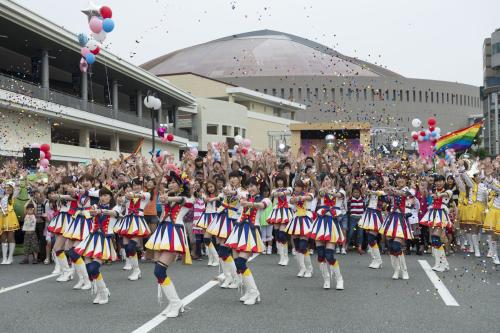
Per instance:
{"type": "Point", "coordinates": [35, 145]}
{"type": "Point", "coordinates": [44, 162]}
{"type": "Point", "coordinates": [164, 139]}
{"type": "Point", "coordinates": [42, 155]}
{"type": "Point", "coordinates": [84, 51]}
{"type": "Point", "coordinates": [83, 65]}
{"type": "Point", "coordinates": [246, 143]}
{"type": "Point", "coordinates": [95, 24]}
{"type": "Point", "coordinates": [41, 169]}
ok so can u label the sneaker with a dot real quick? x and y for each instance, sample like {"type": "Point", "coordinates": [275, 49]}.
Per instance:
{"type": "Point", "coordinates": [337, 250]}
{"type": "Point", "coordinates": [269, 250]}
{"type": "Point", "coordinates": [343, 251]}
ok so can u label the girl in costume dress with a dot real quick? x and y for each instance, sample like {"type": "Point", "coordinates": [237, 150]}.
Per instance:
{"type": "Point", "coordinates": [492, 219]}
{"type": "Point", "coordinates": [478, 199]}
{"type": "Point", "coordinates": [299, 228]}
{"type": "Point", "coordinates": [133, 227]}
{"type": "Point", "coordinates": [8, 223]}
{"type": "Point", "coordinates": [245, 238]}
{"type": "Point", "coordinates": [222, 226]}
{"type": "Point", "coordinates": [66, 206]}
{"type": "Point", "coordinates": [396, 228]}
{"type": "Point", "coordinates": [438, 220]}
{"type": "Point", "coordinates": [281, 215]}
{"type": "Point", "coordinates": [78, 228]}
{"type": "Point", "coordinates": [212, 200]}
{"type": "Point", "coordinates": [170, 239]}
{"type": "Point", "coordinates": [371, 221]}
{"type": "Point", "coordinates": [98, 247]}
{"type": "Point", "coordinates": [327, 231]}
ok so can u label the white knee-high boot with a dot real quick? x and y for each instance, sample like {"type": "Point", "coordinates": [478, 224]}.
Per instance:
{"type": "Point", "coordinates": [404, 269]}
{"type": "Point", "coordinates": [335, 270]}
{"type": "Point", "coordinates": [376, 257]}
{"type": "Point", "coordinates": [81, 271]}
{"type": "Point", "coordinates": [230, 274]}
{"type": "Point", "coordinates": [302, 266]}
{"type": "Point", "coordinates": [212, 253]}
{"type": "Point", "coordinates": [488, 241]}
{"type": "Point", "coordinates": [253, 294]}
{"type": "Point", "coordinates": [5, 253]}
{"type": "Point", "coordinates": [308, 264]}
{"type": "Point", "coordinates": [279, 250]}
{"type": "Point", "coordinates": [396, 266]}
{"type": "Point", "coordinates": [175, 305]}
{"type": "Point", "coordinates": [136, 272]}
{"type": "Point", "coordinates": [323, 267]}
{"type": "Point", "coordinates": [67, 272]}
{"type": "Point", "coordinates": [475, 241]}
{"type": "Point", "coordinates": [284, 248]}
{"type": "Point", "coordinates": [12, 248]}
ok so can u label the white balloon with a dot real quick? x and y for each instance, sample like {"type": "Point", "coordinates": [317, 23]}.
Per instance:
{"type": "Point", "coordinates": [149, 102]}
{"type": "Point", "coordinates": [420, 138]}
{"type": "Point", "coordinates": [92, 44]}
{"type": "Point", "coordinates": [416, 122]}
{"type": "Point", "coordinates": [437, 130]}
{"type": "Point", "coordinates": [238, 139]}
{"type": "Point", "coordinates": [100, 37]}
{"type": "Point", "coordinates": [395, 143]}
{"type": "Point", "coordinates": [156, 104]}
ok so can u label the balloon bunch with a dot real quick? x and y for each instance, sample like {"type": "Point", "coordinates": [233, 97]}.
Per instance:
{"type": "Point", "coordinates": [45, 156]}
{"type": "Point", "coordinates": [193, 151]}
{"type": "Point", "coordinates": [100, 26]}
{"type": "Point", "coordinates": [162, 133]}
{"type": "Point", "coordinates": [431, 134]}
{"type": "Point", "coordinates": [216, 150]}
{"type": "Point", "coordinates": [244, 144]}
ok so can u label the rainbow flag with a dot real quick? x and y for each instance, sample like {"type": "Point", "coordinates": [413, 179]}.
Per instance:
{"type": "Point", "coordinates": [458, 140]}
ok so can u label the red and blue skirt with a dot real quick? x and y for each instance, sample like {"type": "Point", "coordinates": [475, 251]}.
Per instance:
{"type": "Point", "coordinates": [78, 228]}
{"type": "Point", "coordinates": [371, 220]}
{"type": "Point", "coordinates": [396, 226]}
{"type": "Point", "coordinates": [169, 237]}
{"type": "Point", "coordinates": [327, 228]}
{"type": "Point", "coordinates": [97, 245]}
{"type": "Point", "coordinates": [131, 226]}
{"type": "Point", "coordinates": [59, 222]}
{"type": "Point", "coordinates": [205, 220]}
{"type": "Point", "coordinates": [245, 237]}
{"type": "Point", "coordinates": [222, 225]}
{"type": "Point", "coordinates": [280, 216]}
{"type": "Point", "coordinates": [299, 226]}
{"type": "Point", "coordinates": [436, 218]}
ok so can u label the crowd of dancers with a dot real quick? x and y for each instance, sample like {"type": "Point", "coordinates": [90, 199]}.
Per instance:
{"type": "Point", "coordinates": [237, 206]}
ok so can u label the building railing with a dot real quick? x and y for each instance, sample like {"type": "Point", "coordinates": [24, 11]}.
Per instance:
{"type": "Point", "coordinates": [33, 90]}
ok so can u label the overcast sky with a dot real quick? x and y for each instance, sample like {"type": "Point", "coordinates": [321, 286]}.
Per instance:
{"type": "Point", "coordinates": [429, 39]}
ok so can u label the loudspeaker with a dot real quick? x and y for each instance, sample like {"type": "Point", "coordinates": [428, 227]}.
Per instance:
{"type": "Point", "coordinates": [31, 156]}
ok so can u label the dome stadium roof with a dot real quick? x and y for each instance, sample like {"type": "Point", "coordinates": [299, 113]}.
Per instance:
{"type": "Point", "coordinates": [262, 53]}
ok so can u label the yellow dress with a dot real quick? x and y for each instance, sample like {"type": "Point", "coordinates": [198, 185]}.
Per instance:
{"type": "Point", "coordinates": [9, 221]}
{"type": "Point", "coordinates": [475, 211]}
{"type": "Point", "coordinates": [462, 208]}
{"type": "Point", "coordinates": [492, 215]}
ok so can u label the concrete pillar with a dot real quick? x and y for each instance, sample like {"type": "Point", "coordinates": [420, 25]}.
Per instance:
{"type": "Point", "coordinates": [114, 95]}
{"type": "Point", "coordinates": [44, 72]}
{"type": "Point", "coordinates": [115, 142]}
{"type": "Point", "coordinates": [84, 140]}
{"type": "Point", "coordinates": [84, 95]}
{"type": "Point", "coordinates": [231, 98]}
{"type": "Point", "coordinates": [139, 103]}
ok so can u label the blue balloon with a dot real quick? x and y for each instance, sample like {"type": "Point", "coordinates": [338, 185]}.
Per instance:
{"type": "Point", "coordinates": [434, 134]}
{"type": "Point", "coordinates": [108, 25]}
{"type": "Point", "coordinates": [90, 58]}
{"type": "Point", "coordinates": [82, 39]}
{"type": "Point", "coordinates": [426, 138]}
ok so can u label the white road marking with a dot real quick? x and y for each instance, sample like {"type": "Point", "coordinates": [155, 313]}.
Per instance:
{"type": "Point", "coordinates": [445, 294]}
{"type": "Point", "coordinates": [4, 290]}
{"type": "Point", "coordinates": [147, 327]}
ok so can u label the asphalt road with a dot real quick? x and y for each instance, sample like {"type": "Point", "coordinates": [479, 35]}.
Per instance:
{"type": "Point", "coordinates": [371, 302]}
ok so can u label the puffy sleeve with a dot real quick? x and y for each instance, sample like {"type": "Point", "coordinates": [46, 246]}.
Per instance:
{"type": "Point", "coordinates": [266, 202]}
{"type": "Point", "coordinates": [93, 193]}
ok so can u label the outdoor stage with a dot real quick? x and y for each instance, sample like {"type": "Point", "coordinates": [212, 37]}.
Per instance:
{"type": "Point", "coordinates": [353, 136]}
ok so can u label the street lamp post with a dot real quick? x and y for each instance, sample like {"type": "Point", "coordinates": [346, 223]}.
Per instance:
{"type": "Point", "coordinates": [153, 104]}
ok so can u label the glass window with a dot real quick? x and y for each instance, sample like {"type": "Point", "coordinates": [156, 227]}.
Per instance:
{"type": "Point", "coordinates": [437, 97]}
{"type": "Point", "coordinates": [291, 93]}
{"type": "Point", "coordinates": [212, 129]}
{"type": "Point", "coordinates": [274, 92]}
{"type": "Point", "coordinates": [495, 48]}
{"type": "Point", "coordinates": [401, 95]}
{"type": "Point", "coordinates": [407, 95]}
{"type": "Point", "coordinates": [265, 91]}
{"type": "Point", "coordinates": [243, 132]}
{"type": "Point", "coordinates": [333, 94]}
{"type": "Point", "coordinates": [236, 131]}
{"type": "Point", "coordinates": [414, 96]}
{"type": "Point", "coordinates": [308, 94]}
{"type": "Point", "coordinates": [447, 97]}
{"type": "Point", "coordinates": [364, 94]}
{"type": "Point", "coordinates": [341, 91]}
{"type": "Point", "coordinates": [316, 93]}
{"type": "Point", "coordinates": [226, 130]}
{"type": "Point", "coordinates": [432, 96]}
{"type": "Point", "coordinates": [357, 94]}
{"type": "Point", "coordinates": [426, 97]}
{"type": "Point", "coordinates": [282, 93]}
{"type": "Point", "coordinates": [420, 96]}
{"type": "Point", "coordinates": [394, 94]}
{"type": "Point", "coordinates": [300, 93]}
